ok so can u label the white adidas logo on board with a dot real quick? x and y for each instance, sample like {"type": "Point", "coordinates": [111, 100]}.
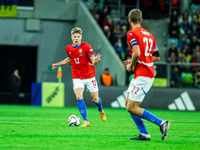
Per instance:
{"type": "Point", "coordinates": [182, 103]}
{"type": "Point", "coordinates": [120, 101]}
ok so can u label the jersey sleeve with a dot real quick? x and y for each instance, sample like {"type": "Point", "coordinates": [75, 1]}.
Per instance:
{"type": "Point", "coordinates": [67, 50]}
{"type": "Point", "coordinates": [90, 51]}
{"type": "Point", "coordinates": [132, 39]}
{"type": "Point", "coordinates": [155, 47]}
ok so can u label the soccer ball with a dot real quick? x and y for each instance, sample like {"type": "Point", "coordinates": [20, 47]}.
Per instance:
{"type": "Point", "coordinates": [74, 120]}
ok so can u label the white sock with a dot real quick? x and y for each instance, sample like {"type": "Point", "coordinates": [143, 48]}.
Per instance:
{"type": "Point", "coordinates": [162, 122]}
{"type": "Point", "coordinates": [146, 135]}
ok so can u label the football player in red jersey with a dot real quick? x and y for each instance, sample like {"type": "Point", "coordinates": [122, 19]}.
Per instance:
{"type": "Point", "coordinates": [144, 52]}
{"type": "Point", "coordinates": [82, 59]}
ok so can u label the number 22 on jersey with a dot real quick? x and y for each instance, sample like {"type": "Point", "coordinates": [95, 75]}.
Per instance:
{"type": "Point", "coordinates": [149, 44]}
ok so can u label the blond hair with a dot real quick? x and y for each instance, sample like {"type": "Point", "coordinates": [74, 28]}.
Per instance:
{"type": "Point", "coordinates": [76, 30]}
{"type": "Point", "coordinates": [135, 15]}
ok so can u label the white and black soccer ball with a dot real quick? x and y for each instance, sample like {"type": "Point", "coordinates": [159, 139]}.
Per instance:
{"type": "Point", "coordinates": [74, 120]}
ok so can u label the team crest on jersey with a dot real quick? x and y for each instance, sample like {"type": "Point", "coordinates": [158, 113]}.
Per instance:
{"type": "Point", "coordinates": [80, 52]}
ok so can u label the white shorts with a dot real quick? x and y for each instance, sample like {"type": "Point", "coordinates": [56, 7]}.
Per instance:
{"type": "Point", "coordinates": [90, 84]}
{"type": "Point", "coordinates": [139, 87]}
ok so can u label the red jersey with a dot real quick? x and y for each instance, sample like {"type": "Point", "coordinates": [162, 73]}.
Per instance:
{"type": "Point", "coordinates": [81, 65]}
{"type": "Point", "coordinates": [147, 43]}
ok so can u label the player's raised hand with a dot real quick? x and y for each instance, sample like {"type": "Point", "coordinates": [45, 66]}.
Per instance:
{"type": "Point", "coordinates": [54, 66]}
{"type": "Point", "coordinates": [128, 67]}
{"type": "Point", "coordinates": [126, 62]}
{"type": "Point", "coordinates": [98, 57]}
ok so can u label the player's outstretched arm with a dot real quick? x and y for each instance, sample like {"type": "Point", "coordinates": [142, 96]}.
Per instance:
{"type": "Point", "coordinates": [61, 63]}
{"type": "Point", "coordinates": [95, 59]}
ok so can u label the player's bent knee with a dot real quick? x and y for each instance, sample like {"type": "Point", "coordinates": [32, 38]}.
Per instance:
{"type": "Point", "coordinates": [131, 110]}
{"type": "Point", "coordinates": [128, 108]}
{"type": "Point", "coordinates": [95, 100]}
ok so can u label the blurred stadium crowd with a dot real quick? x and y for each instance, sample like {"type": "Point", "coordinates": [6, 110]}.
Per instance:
{"type": "Point", "coordinates": [184, 45]}
{"type": "Point", "coordinates": [183, 36]}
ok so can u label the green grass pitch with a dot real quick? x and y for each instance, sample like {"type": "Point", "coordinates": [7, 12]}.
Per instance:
{"type": "Point", "coordinates": [28, 127]}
